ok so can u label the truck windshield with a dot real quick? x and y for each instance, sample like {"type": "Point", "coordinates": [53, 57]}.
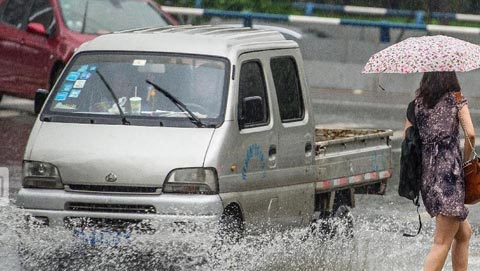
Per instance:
{"type": "Point", "coordinates": [104, 16]}
{"type": "Point", "coordinates": [199, 83]}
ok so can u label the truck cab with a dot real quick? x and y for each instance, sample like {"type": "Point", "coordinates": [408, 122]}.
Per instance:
{"type": "Point", "coordinates": [190, 124]}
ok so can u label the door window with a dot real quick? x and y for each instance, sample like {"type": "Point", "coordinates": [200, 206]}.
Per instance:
{"type": "Point", "coordinates": [15, 11]}
{"type": "Point", "coordinates": [42, 13]}
{"type": "Point", "coordinates": [253, 102]}
{"type": "Point", "coordinates": [287, 86]}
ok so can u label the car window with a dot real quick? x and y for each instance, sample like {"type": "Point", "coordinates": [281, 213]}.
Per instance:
{"type": "Point", "coordinates": [253, 102]}
{"type": "Point", "coordinates": [42, 13]}
{"type": "Point", "coordinates": [99, 16]}
{"type": "Point", "coordinates": [15, 12]}
{"type": "Point", "coordinates": [197, 82]}
{"type": "Point", "coordinates": [287, 86]}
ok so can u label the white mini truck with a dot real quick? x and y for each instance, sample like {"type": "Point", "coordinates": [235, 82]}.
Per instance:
{"type": "Point", "coordinates": [192, 124]}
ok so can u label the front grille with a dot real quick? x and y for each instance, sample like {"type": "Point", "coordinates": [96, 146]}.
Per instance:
{"type": "Point", "coordinates": [110, 208]}
{"type": "Point", "coordinates": [113, 189]}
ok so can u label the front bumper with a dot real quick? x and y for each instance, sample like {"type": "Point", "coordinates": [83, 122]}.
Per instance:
{"type": "Point", "coordinates": [170, 209]}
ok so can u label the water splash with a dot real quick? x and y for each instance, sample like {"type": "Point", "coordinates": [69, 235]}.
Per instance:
{"type": "Point", "coordinates": [377, 244]}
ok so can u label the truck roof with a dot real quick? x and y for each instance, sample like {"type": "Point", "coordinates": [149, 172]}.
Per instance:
{"type": "Point", "coordinates": [205, 40]}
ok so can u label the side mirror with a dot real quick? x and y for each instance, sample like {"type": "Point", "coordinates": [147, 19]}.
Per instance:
{"type": "Point", "coordinates": [40, 97]}
{"type": "Point", "coordinates": [37, 28]}
{"type": "Point", "coordinates": [252, 111]}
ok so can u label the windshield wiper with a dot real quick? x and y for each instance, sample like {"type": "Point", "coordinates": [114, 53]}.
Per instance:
{"type": "Point", "coordinates": [195, 120]}
{"type": "Point", "coordinates": [122, 115]}
{"type": "Point", "coordinates": [84, 17]}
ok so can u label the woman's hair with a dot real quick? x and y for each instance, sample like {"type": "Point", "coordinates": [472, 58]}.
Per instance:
{"type": "Point", "coordinates": [435, 85]}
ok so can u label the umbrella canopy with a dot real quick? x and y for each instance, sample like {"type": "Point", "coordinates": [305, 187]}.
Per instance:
{"type": "Point", "coordinates": [426, 54]}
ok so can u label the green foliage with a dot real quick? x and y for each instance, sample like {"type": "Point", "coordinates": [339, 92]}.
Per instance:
{"type": "Point", "coordinates": [264, 6]}
{"type": "Point", "coordinates": [279, 6]}
{"type": "Point", "coordinates": [285, 6]}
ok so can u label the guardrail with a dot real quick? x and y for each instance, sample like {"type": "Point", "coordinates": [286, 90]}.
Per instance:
{"type": "Point", "coordinates": [310, 7]}
{"type": "Point", "coordinates": [384, 26]}
{"type": "Point", "coordinates": [419, 15]}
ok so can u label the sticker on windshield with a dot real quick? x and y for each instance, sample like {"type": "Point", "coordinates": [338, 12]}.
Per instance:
{"type": "Point", "coordinates": [61, 96]}
{"type": "Point", "coordinates": [74, 93]}
{"type": "Point", "coordinates": [73, 76]}
{"type": "Point", "coordinates": [92, 68]}
{"type": "Point", "coordinates": [139, 62]}
{"type": "Point", "coordinates": [83, 68]}
{"type": "Point", "coordinates": [85, 75]}
{"type": "Point", "coordinates": [79, 84]}
{"type": "Point", "coordinates": [67, 86]}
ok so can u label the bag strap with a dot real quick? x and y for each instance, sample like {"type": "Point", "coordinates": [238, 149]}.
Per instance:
{"type": "Point", "coordinates": [419, 221]}
{"type": "Point", "coordinates": [416, 201]}
{"type": "Point", "coordinates": [458, 99]}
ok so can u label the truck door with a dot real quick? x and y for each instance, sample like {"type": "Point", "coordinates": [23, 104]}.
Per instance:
{"type": "Point", "coordinates": [296, 138]}
{"type": "Point", "coordinates": [296, 153]}
{"type": "Point", "coordinates": [257, 143]}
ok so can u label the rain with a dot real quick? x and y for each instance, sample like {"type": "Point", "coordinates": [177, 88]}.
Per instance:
{"type": "Point", "coordinates": [341, 98]}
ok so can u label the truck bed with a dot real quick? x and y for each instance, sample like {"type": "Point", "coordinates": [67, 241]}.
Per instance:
{"type": "Point", "coordinates": [351, 157]}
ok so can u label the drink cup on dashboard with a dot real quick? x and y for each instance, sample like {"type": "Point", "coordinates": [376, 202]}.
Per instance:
{"type": "Point", "coordinates": [136, 104]}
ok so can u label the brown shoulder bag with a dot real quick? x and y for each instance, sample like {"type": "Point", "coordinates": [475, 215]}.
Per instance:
{"type": "Point", "coordinates": [471, 168]}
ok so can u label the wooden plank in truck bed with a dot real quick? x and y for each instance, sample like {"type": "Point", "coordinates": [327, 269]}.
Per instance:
{"type": "Point", "coordinates": [325, 137]}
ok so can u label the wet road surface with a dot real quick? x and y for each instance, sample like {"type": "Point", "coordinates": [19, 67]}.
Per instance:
{"type": "Point", "coordinates": [380, 221]}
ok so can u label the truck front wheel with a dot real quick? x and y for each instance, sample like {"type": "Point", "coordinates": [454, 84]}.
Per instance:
{"type": "Point", "coordinates": [231, 228]}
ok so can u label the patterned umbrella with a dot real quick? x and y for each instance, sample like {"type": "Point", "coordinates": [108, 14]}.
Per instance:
{"type": "Point", "coordinates": [426, 54]}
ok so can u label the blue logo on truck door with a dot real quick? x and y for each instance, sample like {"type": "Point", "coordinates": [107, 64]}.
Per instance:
{"type": "Point", "coordinates": [253, 151]}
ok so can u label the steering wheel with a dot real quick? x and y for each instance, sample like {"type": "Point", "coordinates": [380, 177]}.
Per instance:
{"type": "Point", "coordinates": [196, 108]}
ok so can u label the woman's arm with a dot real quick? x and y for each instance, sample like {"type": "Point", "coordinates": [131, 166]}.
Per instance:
{"type": "Point", "coordinates": [466, 121]}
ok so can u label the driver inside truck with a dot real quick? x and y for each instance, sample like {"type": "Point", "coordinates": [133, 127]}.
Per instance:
{"type": "Point", "coordinates": [123, 86]}
{"type": "Point", "coordinates": [207, 89]}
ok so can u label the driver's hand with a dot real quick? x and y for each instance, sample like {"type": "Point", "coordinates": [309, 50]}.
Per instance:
{"type": "Point", "coordinates": [100, 107]}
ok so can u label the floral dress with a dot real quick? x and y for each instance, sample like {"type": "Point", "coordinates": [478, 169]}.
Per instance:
{"type": "Point", "coordinates": [443, 187]}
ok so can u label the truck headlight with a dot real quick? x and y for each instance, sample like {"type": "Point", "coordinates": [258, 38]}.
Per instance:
{"type": "Point", "coordinates": [192, 181]}
{"type": "Point", "coordinates": [41, 175]}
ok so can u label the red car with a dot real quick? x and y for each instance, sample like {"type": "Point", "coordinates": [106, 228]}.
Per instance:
{"type": "Point", "coordinates": [38, 37]}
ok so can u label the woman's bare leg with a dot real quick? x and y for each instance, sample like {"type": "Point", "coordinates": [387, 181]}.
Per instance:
{"type": "Point", "coordinates": [461, 242]}
{"type": "Point", "coordinates": [445, 230]}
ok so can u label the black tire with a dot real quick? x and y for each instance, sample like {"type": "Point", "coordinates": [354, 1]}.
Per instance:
{"type": "Point", "coordinates": [343, 222]}
{"type": "Point", "coordinates": [55, 74]}
{"type": "Point", "coordinates": [231, 226]}
{"type": "Point", "coordinates": [1, 96]}
{"type": "Point", "coordinates": [337, 224]}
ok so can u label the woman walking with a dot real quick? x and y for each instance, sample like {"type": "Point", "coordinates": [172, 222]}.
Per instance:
{"type": "Point", "coordinates": [437, 115]}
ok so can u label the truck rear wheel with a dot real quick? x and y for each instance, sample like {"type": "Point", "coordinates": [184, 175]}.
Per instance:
{"type": "Point", "coordinates": [335, 219]}
{"type": "Point", "coordinates": [343, 222]}
{"type": "Point", "coordinates": [337, 224]}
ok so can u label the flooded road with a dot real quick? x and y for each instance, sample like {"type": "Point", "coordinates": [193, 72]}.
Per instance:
{"type": "Point", "coordinates": [377, 244]}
